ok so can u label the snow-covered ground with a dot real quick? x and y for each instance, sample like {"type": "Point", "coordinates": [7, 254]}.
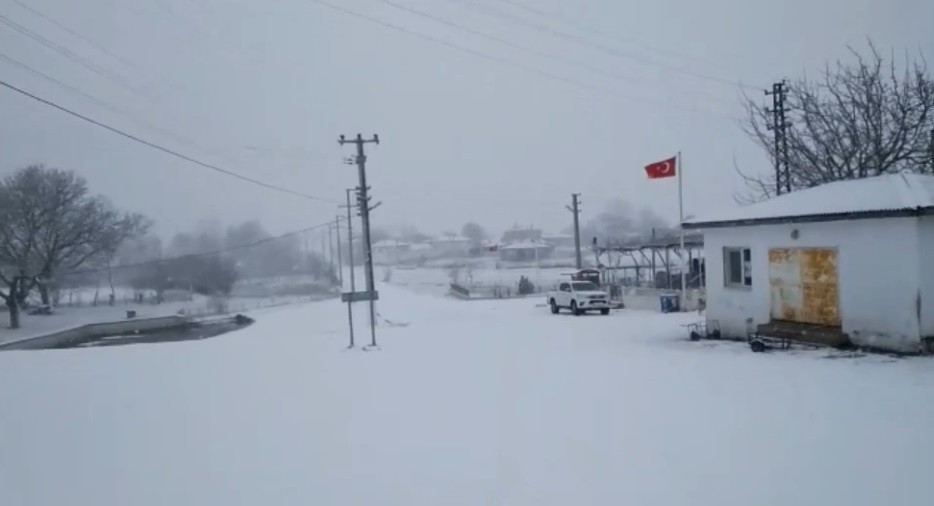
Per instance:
{"type": "Point", "coordinates": [492, 402]}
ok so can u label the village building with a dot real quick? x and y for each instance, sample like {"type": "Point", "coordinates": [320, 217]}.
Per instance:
{"type": "Point", "coordinates": [559, 240]}
{"type": "Point", "coordinates": [451, 247]}
{"type": "Point", "coordinates": [516, 234]}
{"type": "Point", "coordinates": [848, 261]}
{"type": "Point", "coordinates": [390, 251]}
{"type": "Point", "coordinates": [525, 251]}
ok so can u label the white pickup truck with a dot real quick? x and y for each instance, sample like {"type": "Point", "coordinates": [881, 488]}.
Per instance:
{"type": "Point", "coordinates": [579, 297]}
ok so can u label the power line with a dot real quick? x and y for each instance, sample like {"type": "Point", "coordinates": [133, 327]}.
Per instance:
{"type": "Point", "coordinates": [52, 20]}
{"type": "Point", "coordinates": [126, 62]}
{"type": "Point", "coordinates": [91, 66]}
{"type": "Point", "coordinates": [56, 81]}
{"type": "Point", "coordinates": [161, 148]}
{"type": "Point", "coordinates": [201, 254]}
{"type": "Point", "coordinates": [602, 47]}
{"type": "Point", "coordinates": [113, 108]}
{"type": "Point", "coordinates": [585, 28]}
{"type": "Point", "coordinates": [527, 68]}
{"type": "Point", "coordinates": [530, 50]}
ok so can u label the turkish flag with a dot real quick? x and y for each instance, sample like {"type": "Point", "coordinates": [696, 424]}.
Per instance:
{"type": "Point", "coordinates": [664, 168]}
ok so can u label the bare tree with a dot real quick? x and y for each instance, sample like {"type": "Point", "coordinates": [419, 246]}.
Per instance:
{"type": "Point", "coordinates": [274, 257]}
{"type": "Point", "coordinates": [17, 242]}
{"type": "Point", "coordinates": [473, 231]}
{"type": "Point", "coordinates": [858, 119]}
{"type": "Point", "coordinates": [52, 224]}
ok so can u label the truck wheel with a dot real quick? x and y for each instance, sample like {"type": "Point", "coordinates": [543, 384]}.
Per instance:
{"type": "Point", "coordinates": [605, 311]}
{"type": "Point", "coordinates": [574, 309]}
{"type": "Point", "coordinates": [554, 307]}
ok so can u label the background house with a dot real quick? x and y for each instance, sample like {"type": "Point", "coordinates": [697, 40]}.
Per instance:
{"type": "Point", "coordinates": [525, 251]}
{"type": "Point", "coordinates": [560, 240]}
{"type": "Point", "coordinates": [517, 234]}
{"type": "Point", "coordinates": [855, 256]}
{"type": "Point", "coordinates": [451, 247]}
{"type": "Point", "coordinates": [390, 251]}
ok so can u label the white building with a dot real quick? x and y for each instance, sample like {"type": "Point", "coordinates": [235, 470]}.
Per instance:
{"type": "Point", "coordinates": [852, 256]}
{"type": "Point", "coordinates": [525, 252]}
{"type": "Point", "coordinates": [390, 251]}
{"type": "Point", "coordinates": [451, 247]}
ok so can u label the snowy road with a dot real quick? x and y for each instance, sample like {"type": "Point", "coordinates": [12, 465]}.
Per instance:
{"type": "Point", "coordinates": [471, 403]}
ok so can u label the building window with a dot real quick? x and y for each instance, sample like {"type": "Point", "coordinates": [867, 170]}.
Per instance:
{"type": "Point", "coordinates": [737, 267]}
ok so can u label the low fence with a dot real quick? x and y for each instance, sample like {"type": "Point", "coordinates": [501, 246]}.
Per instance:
{"type": "Point", "coordinates": [476, 292]}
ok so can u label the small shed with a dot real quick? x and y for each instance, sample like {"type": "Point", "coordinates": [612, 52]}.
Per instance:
{"type": "Point", "coordinates": [849, 257]}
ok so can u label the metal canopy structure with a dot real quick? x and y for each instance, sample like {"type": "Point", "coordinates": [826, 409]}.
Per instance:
{"type": "Point", "coordinates": [655, 262]}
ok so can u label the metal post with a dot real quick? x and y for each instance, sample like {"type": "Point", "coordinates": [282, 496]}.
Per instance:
{"type": "Point", "coordinates": [331, 247]}
{"type": "Point", "coordinates": [668, 265]}
{"type": "Point", "coordinates": [350, 241]}
{"type": "Point", "coordinates": [353, 284]}
{"type": "Point", "coordinates": [340, 258]}
{"type": "Point", "coordinates": [575, 208]}
{"type": "Point", "coordinates": [684, 285]}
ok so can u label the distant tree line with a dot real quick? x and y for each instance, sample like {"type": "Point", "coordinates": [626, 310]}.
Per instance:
{"type": "Point", "coordinates": [209, 261]}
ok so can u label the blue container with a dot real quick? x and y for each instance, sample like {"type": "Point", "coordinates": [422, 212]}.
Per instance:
{"type": "Point", "coordinates": [670, 303]}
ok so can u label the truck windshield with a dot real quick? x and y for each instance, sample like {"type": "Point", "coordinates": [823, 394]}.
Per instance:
{"type": "Point", "coordinates": [584, 286]}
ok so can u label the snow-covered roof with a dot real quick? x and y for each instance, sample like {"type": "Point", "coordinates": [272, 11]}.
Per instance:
{"type": "Point", "coordinates": [889, 194]}
{"type": "Point", "coordinates": [455, 239]}
{"type": "Point", "coordinates": [390, 243]}
{"type": "Point", "coordinates": [526, 245]}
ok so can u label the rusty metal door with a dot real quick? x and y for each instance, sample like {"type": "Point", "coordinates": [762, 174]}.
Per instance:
{"type": "Point", "coordinates": [804, 285]}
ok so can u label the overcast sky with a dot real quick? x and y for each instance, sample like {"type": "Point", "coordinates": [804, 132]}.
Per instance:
{"type": "Point", "coordinates": [485, 131]}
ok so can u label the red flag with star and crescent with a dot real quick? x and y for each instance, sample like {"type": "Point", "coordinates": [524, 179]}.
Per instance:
{"type": "Point", "coordinates": [664, 168]}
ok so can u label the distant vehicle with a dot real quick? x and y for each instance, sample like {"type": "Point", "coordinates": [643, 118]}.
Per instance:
{"type": "Point", "coordinates": [579, 297]}
{"type": "Point", "coordinates": [592, 275]}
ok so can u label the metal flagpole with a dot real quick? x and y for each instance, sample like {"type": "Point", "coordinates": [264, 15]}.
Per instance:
{"type": "Point", "coordinates": [684, 286]}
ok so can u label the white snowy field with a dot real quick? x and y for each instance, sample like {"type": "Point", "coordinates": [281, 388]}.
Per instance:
{"type": "Point", "coordinates": [494, 402]}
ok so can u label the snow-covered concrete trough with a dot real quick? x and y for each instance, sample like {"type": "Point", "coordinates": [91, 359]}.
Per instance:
{"type": "Point", "coordinates": [148, 330]}
{"type": "Point", "coordinates": [853, 255]}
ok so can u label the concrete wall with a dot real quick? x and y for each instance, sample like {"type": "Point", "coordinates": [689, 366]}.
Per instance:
{"type": "Point", "coordinates": [878, 262]}
{"type": "Point", "coordinates": [91, 331]}
{"type": "Point", "coordinates": [926, 277]}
